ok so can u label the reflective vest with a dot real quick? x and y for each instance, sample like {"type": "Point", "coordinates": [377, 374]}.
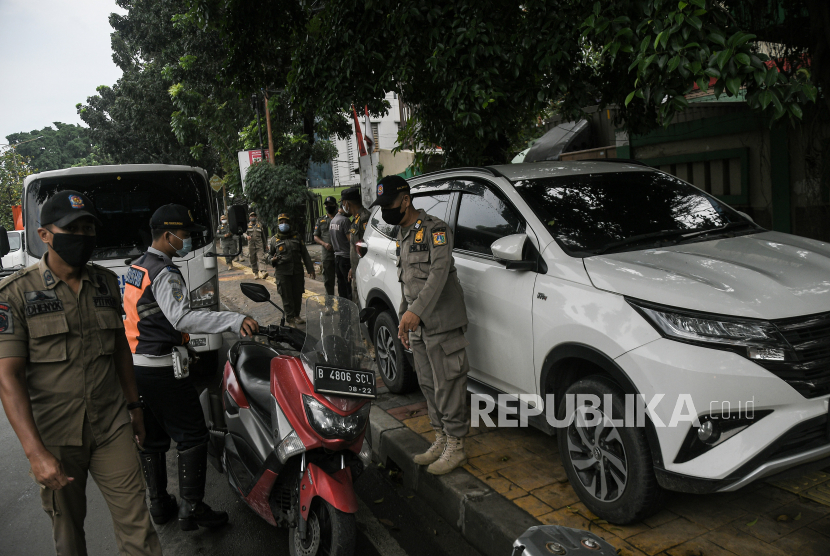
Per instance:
{"type": "Point", "coordinates": [148, 330]}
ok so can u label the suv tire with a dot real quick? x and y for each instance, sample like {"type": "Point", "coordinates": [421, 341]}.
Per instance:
{"type": "Point", "coordinates": [396, 371]}
{"type": "Point", "coordinates": [609, 467]}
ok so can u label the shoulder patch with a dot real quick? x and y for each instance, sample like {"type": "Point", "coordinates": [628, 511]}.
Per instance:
{"type": "Point", "coordinates": [6, 318]}
{"type": "Point", "coordinates": [439, 237]}
{"type": "Point", "coordinates": [134, 277]}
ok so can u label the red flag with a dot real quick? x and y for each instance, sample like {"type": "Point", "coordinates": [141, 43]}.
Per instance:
{"type": "Point", "coordinates": [17, 215]}
{"type": "Point", "coordinates": [360, 146]}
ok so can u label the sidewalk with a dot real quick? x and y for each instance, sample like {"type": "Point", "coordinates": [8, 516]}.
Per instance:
{"type": "Point", "coordinates": [514, 479]}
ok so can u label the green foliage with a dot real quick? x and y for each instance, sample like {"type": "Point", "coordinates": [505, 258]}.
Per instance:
{"type": "Point", "coordinates": [63, 146]}
{"type": "Point", "coordinates": [14, 168]}
{"type": "Point", "coordinates": [275, 189]}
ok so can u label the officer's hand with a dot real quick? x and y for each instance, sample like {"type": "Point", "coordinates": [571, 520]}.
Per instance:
{"type": "Point", "coordinates": [249, 327]}
{"type": "Point", "coordinates": [48, 471]}
{"type": "Point", "coordinates": [409, 322]}
{"type": "Point", "coordinates": [137, 420]}
{"type": "Point", "coordinates": [350, 275]}
{"type": "Point", "coordinates": [328, 247]}
{"type": "Point", "coordinates": [313, 275]}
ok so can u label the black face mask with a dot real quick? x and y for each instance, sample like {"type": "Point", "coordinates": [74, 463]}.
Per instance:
{"type": "Point", "coordinates": [392, 216]}
{"type": "Point", "coordinates": [331, 210]}
{"type": "Point", "coordinates": [74, 249]}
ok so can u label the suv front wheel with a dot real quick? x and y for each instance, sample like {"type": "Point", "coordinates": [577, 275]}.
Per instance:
{"type": "Point", "coordinates": [398, 375]}
{"type": "Point", "coordinates": [609, 466]}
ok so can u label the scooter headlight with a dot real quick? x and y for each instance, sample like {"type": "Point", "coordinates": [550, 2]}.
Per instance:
{"type": "Point", "coordinates": [333, 425]}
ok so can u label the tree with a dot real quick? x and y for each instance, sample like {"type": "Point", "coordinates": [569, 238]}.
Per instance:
{"type": "Point", "coordinates": [63, 146]}
{"type": "Point", "coordinates": [14, 168]}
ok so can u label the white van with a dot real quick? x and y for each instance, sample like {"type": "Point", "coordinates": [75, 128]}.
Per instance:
{"type": "Point", "coordinates": [126, 196]}
{"type": "Point", "coordinates": [16, 257]}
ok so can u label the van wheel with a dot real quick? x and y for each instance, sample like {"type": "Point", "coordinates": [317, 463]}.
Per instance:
{"type": "Point", "coordinates": [398, 375]}
{"type": "Point", "coordinates": [609, 467]}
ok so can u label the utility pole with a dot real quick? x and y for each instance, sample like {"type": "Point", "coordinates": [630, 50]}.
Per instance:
{"type": "Point", "coordinates": [255, 102]}
{"type": "Point", "coordinates": [268, 124]}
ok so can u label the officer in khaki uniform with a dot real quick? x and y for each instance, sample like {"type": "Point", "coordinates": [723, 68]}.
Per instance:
{"type": "Point", "coordinates": [227, 241]}
{"type": "Point", "coordinates": [257, 240]}
{"type": "Point", "coordinates": [433, 319]}
{"type": "Point", "coordinates": [322, 236]}
{"type": "Point", "coordinates": [353, 206]}
{"type": "Point", "coordinates": [66, 377]}
{"type": "Point", "coordinates": [288, 253]}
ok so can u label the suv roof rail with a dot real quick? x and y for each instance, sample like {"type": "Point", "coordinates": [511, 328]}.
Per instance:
{"type": "Point", "coordinates": [485, 169]}
{"type": "Point", "coordinates": [617, 160]}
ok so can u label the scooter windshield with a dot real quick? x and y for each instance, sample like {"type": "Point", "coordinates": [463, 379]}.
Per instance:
{"type": "Point", "coordinates": [333, 334]}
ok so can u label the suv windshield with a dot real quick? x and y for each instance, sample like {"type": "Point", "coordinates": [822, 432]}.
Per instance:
{"type": "Point", "coordinates": [125, 203]}
{"type": "Point", "coordinates": [598, 213]}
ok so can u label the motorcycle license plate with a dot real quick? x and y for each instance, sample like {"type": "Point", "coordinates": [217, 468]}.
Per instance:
{"type": "Point", "coordinates": [344, 382]}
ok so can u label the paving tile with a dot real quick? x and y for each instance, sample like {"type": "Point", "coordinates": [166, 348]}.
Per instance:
{"type": "Point", "coordinates": [503, 486]}
{"type": "Point", "coordinates": [472, 470]}
{"type": "Point", "coordinates": [710, 510]}
{"type": "Point", "coordinates": [500, 459]}
{"type": "Point", "coordinates": [408, 411]}
{"type": "Point", "coordinates": [583, 509]}
{"type": "Point", "coordinates": [532, 505]}
{"type": "Point", "coordinates": [804, 542]}
{"type": "Point", "coordinates": [742, 544]}
{"type": "Point", "coordinates": [698, 547]}
{"type": "Point", "coordinates": [765, 499]}
{"type": "Point", "coordinates": [821, 526]}
{"type": "Point", "coordinates": [532, 474]}
{"type": "Point", "coordinates": [419, 424]}
{"type": "Point", "coordinates": [660, 518]}
{"type": "Point", "coordinates": [624, 531]}
{"type": "Point", "coordinates": [499, 440]}
{"type": "Point", "coordinates": [557, 495]}
{"type": "Point", "coordinates": [566, 518]}
{"type": "Point", "coordinates": [474, 448]}
{"type": "Point", "coordinates": [622, 546]}
{"type": "Point", "coordinates": [767, 527]}
{"type": "Point", "coordinates": [666, 536]}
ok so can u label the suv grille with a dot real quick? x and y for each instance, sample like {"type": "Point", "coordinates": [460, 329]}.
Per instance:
{"type": "Point", "coordinates": [810, 339]}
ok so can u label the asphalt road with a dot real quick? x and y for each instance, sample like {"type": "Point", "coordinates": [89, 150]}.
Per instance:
{"type": "Point", "coordinates": [391, 521]}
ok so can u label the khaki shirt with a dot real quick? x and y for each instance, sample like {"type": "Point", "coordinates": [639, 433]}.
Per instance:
{"type": "Point", "coordinates": [426, 271]}
{"type": "Point", "coordinates": [322, 230]}
{"type": "Point", "coordinates": [256, 232]}
{"type": "Point", "coordinates": [356, 232]}
{"type": "Point", "coordinates": [291, 253]}
{"type": "Point", "coordinates": [69, 343]}
{"type": "Point", "coordinates": [225, 241]}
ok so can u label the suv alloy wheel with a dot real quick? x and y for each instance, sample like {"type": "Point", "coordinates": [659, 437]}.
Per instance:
{"type": "Point", "coordinates": [398, 375]}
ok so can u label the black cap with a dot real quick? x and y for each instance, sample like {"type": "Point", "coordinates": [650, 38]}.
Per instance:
{"type": "Point", "coordinates": [330, 201]}
{"type": "Point", "coordinates": [351, 194]}
{"type": "Point", "coordinates": [388, 189]}
{"type": "Point", "coordinates": [174, 217]}
{"type": "Point", "coordinates": [67, 206]}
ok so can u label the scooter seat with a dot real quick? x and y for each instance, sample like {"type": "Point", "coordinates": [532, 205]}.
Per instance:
{"type": "Point", "coordinates": [253, 367]}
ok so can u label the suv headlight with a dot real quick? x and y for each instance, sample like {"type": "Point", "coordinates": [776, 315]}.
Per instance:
{"type": "Point", "coordinates": [205, 295]}
{"type": "Point", "coordinates": [333, 425]}
{"type": "Point", "coordinates": [755, 339]}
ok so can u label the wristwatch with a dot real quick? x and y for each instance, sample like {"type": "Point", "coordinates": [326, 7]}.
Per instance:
{"type": "Point", "coordinates": [136, 405]}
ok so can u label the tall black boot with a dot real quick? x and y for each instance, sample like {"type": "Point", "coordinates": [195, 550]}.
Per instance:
{"type": "Point", "coordinates": [193, 513]}
{"type": "Point", "coordinates": [162, 505]}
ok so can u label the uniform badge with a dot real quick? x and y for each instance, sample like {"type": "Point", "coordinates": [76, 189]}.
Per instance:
{"type": "Point", "coordinates": [380, 189]}
{"type": "Point", "coordinates": [282, 247]}
{"type": "Point", "coordinates": [178, 295]}
{"type": "Point", "coordinates": [439, 238]}
{"type": "Point", "coordinates": [134, 277]}
{"type": "Point", "coordinates": [42, 302]}
{"type": "Point", "coordinates": [76, 202]}
{"type": "Point", "coordinates": [176, 289]}
{"type": "Point", "coordinates": [103, 289]}
{"type": "Point", "coordinates": [48, 279]}
{"type": "Point", "coordinates": [419, 236]}
{"type": "Point", "coordinates": [397, 248]}
{"type": "Point", "coordinates": [6, 319]}
{"type": "Point", "coordinates": [417, 225]}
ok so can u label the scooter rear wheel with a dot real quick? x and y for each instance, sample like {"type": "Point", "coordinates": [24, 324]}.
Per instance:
{"type": "Point", "coordinates": [329, 532]}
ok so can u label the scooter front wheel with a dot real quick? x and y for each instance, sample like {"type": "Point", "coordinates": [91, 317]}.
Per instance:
{"type": "Point", "coordinates": [329, 532]}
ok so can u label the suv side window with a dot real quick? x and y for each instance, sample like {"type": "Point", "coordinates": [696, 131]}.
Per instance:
{"type": "Point", "coordinates": [434, 204]}
{"type": "Point", "coordinates": [483, 217]}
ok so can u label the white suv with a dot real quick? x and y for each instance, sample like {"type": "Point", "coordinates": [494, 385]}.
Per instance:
{"type": "Point", "coordinates": [611, 278]}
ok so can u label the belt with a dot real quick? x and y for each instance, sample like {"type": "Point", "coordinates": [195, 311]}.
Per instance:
{"type": "Point", "coordinates": [142, 360]}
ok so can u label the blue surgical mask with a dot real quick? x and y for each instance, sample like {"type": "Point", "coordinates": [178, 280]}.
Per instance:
{"type": "Point", "coordinates": [284, 227]}
{"type": "Point", "coordinates": [187, 246]}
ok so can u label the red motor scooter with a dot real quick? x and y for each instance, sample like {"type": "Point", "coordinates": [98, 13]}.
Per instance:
{"type": "Point", "coordinates": [289, 422]}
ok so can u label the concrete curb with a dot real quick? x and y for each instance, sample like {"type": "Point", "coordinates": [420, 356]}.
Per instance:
{"type": "Point", "coordinates": [487, 520]}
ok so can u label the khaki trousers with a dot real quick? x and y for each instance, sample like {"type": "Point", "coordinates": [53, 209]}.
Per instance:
{"type": "Point", "coordinates": [116, 469]}
{"type": "Point", "coordinates": [260, 262]}
{"type": "Point", "coordinates": [328, 274]}
{"type": "Point", "coordinates": [291, 288]}
{"type": "Point", "coordinates": [441, 365]}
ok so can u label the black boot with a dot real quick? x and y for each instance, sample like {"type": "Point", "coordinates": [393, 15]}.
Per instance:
{"type": "Point", "coordinates": [162, 505]}
{"type": "Point", "coordinates": [193, 513]}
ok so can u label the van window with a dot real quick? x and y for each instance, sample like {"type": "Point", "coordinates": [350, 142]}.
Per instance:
{"type": "Point", "coordinates": [14, 241]}
{"type": "Point", "coordinates": [125, 203]}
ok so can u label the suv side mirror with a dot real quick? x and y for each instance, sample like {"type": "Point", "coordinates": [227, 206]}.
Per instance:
{"type": "Point", "coordinates": [238, 219]}
{"type": "Point", "coordinates": [509, 251]}
{"type": "Point", "coordinates": [255, 292]}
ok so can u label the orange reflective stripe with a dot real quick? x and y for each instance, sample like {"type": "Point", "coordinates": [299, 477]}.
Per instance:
{"type": "Point", "coordinates": [132, 295]}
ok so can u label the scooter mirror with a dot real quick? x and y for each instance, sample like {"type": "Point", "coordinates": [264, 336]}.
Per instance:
{"type": "Point", "coordinates": [255, 292]}
{"type": "Point", "coordinates": [366, 313]}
